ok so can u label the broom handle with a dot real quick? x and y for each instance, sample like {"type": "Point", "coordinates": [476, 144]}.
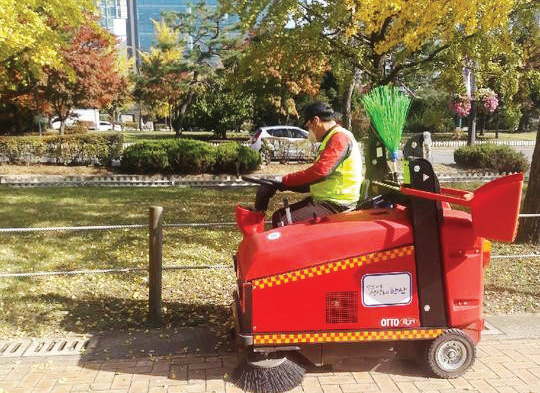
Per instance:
{"type": "Point", "coordinates": [459, 197]}
{"type": "Point", "coordinates": [395, 174]}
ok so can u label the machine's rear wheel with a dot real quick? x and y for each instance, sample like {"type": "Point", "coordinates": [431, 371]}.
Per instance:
{"type": "Point", "coordinates": [451, 354]}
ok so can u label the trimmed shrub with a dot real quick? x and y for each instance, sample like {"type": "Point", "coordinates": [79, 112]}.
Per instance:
{"type": "Point", "coordinates": [490, 156]}
{"type": "Point", "coordinates": [145, 158]}
{"type": "Point", "coordinates": [236, 159]}
{"type": "Point", "coordinates": [98, 149]}
{"type": "Point", "coordinates": [178, 156]}
{"type": "Point", "coordinates": [187, 156]}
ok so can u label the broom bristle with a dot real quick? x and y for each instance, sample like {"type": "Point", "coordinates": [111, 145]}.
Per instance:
{"type": "Point", "coordinates": [388, 107]}
{"type": "Point", "coordinates": [258, 377]}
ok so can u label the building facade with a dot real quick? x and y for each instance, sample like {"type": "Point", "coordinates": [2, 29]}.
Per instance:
{"type": "Point", "coordinates": [140, 29]}
{"type": "Point", "coordinates": [114, 17]}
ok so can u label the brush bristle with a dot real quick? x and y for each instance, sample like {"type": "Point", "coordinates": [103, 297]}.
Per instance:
{"type": "Point", "coordinates": [388, 108]}
{"type": "Point", "coordinates": [286, 376]}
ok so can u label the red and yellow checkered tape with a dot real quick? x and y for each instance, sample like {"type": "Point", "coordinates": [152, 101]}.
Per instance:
{"type": "Point", "coordinates": [343, 337]}
{"type": "Point", "coordinates": [330, 267]}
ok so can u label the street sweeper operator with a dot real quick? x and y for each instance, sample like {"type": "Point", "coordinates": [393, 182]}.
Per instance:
{"type": "Point", "coordinates": [335, 177]}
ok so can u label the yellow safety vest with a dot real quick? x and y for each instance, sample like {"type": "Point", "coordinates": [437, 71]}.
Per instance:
{"type": "Point", "coordinates": [343, 185]}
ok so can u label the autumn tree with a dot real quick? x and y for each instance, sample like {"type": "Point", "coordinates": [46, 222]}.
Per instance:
{"type": "Point", "coordinates": [158, 83]}
{"type": "Point", "coordinates": [30, 40]}
{"type": "Point", "coordinates": [375, 42]}
{"type": "Point", "coordinates": [90, 79]}
{"type": "Point", "coordinates": [120, 93]}
{"type": "Point", "coordinates": [29, 35]}
{"type": "Point", "coordinates": [191, 48]}
{"type": "Point", "coordinates": [274, 77]}
{"type": "Point", "coordinates": [221, 108]}
{"type": "Point", "coordinates": [211, 40]}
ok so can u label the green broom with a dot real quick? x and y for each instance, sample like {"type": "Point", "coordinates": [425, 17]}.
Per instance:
{"type": "Point", "coordinates": [388, 108]}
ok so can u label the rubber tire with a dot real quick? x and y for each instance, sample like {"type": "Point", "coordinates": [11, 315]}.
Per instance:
{"type": "Point", "coordinates": [451, 338]}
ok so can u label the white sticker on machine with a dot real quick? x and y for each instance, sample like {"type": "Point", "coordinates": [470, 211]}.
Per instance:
{"type": "Point", "coordinates": [387, 289]}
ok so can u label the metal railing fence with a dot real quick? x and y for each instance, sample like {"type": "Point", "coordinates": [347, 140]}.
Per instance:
{"type": "Point", "coordinates": [185, 181]}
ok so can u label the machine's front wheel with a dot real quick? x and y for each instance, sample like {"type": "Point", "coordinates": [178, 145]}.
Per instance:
{"type": "Point", "coordinates": [451, 354]}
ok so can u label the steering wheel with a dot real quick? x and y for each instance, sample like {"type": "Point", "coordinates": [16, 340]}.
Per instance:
{"type": "Point", "coordinates": [261, 181]}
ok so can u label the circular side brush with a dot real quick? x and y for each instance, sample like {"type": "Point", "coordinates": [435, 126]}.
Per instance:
{"type": "Point", "coordinates": [267, 375]}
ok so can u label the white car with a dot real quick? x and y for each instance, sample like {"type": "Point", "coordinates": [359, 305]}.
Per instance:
{"type": "Point", "coordinates": [106, 126]}
{"type": "Point", "coordinates": [288, 133]}
{"type": "Point", "coordinates": [67, 123]}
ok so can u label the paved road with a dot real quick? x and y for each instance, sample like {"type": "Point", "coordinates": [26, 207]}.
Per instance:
{"type": "Point", "coordinates": [445, 155]}
{"type": "Point", "coordinates": [508, 361]}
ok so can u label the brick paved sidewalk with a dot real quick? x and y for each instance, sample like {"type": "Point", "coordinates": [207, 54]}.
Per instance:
{"type": "Point", "coordinates": [502, 365]}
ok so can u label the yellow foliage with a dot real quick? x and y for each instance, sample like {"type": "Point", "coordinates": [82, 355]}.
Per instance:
{"type": "Point", "coordinates": [412, 24]}
{"type": "Point", "coordinates": [294, 66]}
{"type": "Point", "coordinates": [168, 50]}
{"type": "Point", "coordinates": [27, 27]}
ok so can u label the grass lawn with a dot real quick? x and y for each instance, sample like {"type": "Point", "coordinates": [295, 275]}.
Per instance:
{"type": "Point", "coordinates": [513, 136]}
{"type": "Point", "coordinates": [40, 306]}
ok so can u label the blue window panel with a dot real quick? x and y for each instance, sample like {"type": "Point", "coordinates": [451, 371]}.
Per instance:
{"type": "Point", "coordinates": [151, 9]}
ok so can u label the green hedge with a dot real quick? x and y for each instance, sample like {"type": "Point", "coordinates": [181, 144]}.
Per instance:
{"type": "Point", "coordinates": [85, 149]}
{"type": "Point", "coordinates": [490, 156]}
{"type": "Point", "coordinates": [235, 158]}
{"type": "Point", "coordinates": [187, 156]}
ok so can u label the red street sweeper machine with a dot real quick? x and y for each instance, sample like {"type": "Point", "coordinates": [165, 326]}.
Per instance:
{"type": "Point", "coordinates": [409, 268]}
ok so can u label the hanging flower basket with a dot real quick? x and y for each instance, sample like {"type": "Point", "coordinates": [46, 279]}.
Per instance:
{"type": "Point", "coordinates": [461, 104]}
{"type": "Point", "coordinates": [488, 98]}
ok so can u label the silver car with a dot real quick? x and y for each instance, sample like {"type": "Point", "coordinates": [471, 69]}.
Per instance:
{"type": "Point", "coordinates": [284, 143]}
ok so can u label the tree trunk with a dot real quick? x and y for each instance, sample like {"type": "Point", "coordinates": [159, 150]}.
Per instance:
{"type": "Point", "coordinates": [483, 128]}
{"type": "Point", "coordinates": [497, 125]}
{"type": "Point", "coordinates": [112, 114]}
{"type": "Point", "coordinates": [180, 112]}
{"type": "Point", "coordinates": [524, 121]}
{"type": "Point", "coordinates": [140, 119]}
{"type": "Point", "coordinates": [347, 99]}
{"type": "Point", "coordinates": [529, 228]}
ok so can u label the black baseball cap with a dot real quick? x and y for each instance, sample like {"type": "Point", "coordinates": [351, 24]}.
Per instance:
{"type": "Point", "coordinates": [319, 109]}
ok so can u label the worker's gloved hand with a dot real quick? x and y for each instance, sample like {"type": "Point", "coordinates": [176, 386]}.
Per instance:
{"type": "Point", "coordinates": [264, 193]}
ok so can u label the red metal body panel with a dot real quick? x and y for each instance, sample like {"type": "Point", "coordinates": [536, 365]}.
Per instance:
{"type": "Point", "coordinates": [303, 305]}
{"type": "Point", "coordinates": [464, 269]}
{"type": "Point", "coordinates": [336, 237]}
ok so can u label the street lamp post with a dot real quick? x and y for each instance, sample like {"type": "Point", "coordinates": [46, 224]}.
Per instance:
{"type": "Point", "coordinates": [471, 140]}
